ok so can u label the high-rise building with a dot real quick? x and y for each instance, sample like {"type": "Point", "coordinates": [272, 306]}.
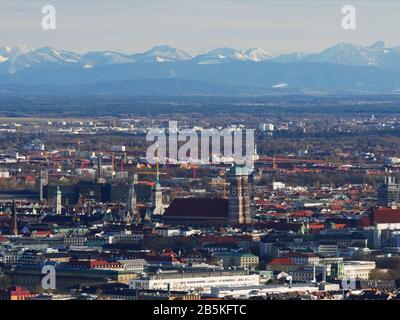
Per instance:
{"type": "Point", "coordinates": [389, 193]}
{"type": "Point", "coordinates": [239, 195]}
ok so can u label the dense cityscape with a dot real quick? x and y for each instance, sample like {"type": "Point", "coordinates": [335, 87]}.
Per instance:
{"type": "Point", "coordinates": [199, 158]}
{"type": "Point", "coordinates": [315, 217]}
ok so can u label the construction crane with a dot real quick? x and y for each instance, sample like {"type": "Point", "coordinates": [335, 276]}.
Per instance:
{"type": "Point", "coordinates": [152, 173]}
{"type": "Point", "coordinates": [157, 172]}
{"type": "Point", "coordinates": [85, 165]}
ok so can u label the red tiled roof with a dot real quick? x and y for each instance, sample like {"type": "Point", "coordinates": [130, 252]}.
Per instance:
{"type": "Point", "coordinates": [215, 239]}
{"type": "Point", "coordinates": [274, 214]}
{"type": "Point", "coordinates": [16, 291]}
{"type": "Point", "coordinates": [41, 233]}
{"type": "Point", "coordinates": [302, 213]}
{"type": "Point", "coordinates": [4, 239]}
{"type": "Point", "coordinates": [262, 202]}
{"type": "Point", "coordinates": [386, 215]}
{"type": "Point", "coordinates": [102, 263]}
{"type": "Point", "coordinates": [93, 264]}
{"type": "Point", "coordinates": [281, 261]}
{"type": "Point", "coordinates": [316, 226]}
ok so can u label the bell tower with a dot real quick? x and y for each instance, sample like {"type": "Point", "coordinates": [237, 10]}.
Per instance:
{"type": "Point", "coordinates": [239, 195]}
{"type": "Point", "coordinates": [58, 200]}
{"type": "Point", "coordinates": [156, 198]}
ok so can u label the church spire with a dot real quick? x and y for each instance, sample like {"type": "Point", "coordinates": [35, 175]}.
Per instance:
{"type": "Point", "coordinates": [14, 223]}
{"type": "Point", "coordinates": [156, 192]}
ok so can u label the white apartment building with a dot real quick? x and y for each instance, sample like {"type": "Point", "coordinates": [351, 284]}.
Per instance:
{"type": "Point", "coordinates": [200, 281]}
{"type": "Point", "coordinates": [303, 258]}
{"type": "Point", "coordinates": [278, 185]}
{"type": "Point", "coordinates": [328, 250]}
{"type": "Point", "coordinates": [358, 269]}
{"type": "Point", "coordinates": [135, 265]}
{"type": "Point", "coordinates": [75, 241]}
{"type": "Point", "coordinates": [168, 232]}
{"type": "Point", "coordinates": [9, 256]}
{"type": "Point", "coordinates": [261, 290]}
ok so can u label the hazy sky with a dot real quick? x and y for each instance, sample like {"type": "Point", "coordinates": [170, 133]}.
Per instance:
{"type": "Point", "coordinates": [197, 25]}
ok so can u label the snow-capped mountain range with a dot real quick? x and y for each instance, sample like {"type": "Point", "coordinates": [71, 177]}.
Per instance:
{"type": "Point", "coordinates": [18, 58]}
{"type": "Point", "coordinates": [379, 54]}
{"type": "Point", "coordinates": [343, 67]}
{"type": "Point", "coordinates": [21, 57]}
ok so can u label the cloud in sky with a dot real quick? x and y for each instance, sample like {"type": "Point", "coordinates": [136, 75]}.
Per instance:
{"type": "Point", "coordinates": [197, 25]}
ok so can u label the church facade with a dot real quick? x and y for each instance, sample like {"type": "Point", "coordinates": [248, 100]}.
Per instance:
{"type": "Point", "coordinates": [236, 210]}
